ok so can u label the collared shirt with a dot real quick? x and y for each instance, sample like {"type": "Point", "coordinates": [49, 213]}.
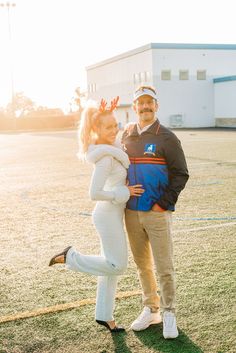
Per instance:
{"type": "Point", "coordinates": [145, 128]}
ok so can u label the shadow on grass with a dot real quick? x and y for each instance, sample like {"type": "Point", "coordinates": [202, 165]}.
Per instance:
{"type": "Point", "coordinates": [119, 341]}
{"type": "Point", "coordinates": [153, 338]}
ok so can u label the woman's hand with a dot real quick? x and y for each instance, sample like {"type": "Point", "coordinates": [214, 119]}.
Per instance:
{"type": "Point", "coordinates": [135, 190]}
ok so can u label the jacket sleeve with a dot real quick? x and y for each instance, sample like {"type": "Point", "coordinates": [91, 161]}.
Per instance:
{"type": "Point", "coordinates": [102, 170]}
{"type": "Point", "coordinates": [123, 136]}
{"type": "Point", "coordinates": [177, 173]}
{"type": "Point", "coordinates": [127, 130]}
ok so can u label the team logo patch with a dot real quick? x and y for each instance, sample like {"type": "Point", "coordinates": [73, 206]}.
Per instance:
{"type": "Point", "coordinates": [150, 148]}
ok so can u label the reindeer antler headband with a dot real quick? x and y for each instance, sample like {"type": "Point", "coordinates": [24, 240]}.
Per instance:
{"type": "Point", "coordinates": [102, 108]}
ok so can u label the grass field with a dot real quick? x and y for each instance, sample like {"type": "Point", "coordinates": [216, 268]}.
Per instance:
{"type": "Point", "coordinates": [45, 207]}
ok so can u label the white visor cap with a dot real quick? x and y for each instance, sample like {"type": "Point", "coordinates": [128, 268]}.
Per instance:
{"type": "Point", "coordinates": [144, 92]}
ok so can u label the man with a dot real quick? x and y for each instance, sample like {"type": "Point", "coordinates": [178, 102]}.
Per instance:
{"type": "Point", "coordinates": [158, 164]}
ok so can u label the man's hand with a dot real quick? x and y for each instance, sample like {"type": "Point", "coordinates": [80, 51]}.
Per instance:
{"type": "Point", "coordinates": [157, 208]}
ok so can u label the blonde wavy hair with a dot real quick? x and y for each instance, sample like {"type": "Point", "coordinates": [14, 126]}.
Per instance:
{"type": "Point", "coordinates": [90, 119]}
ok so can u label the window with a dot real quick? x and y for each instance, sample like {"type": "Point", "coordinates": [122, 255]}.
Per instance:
{"type": "Point", "coordinates": [201, 74]}
{"type": "Point", "coordinates": [139, 77]}
{"type": "Point", "coordinates": [166, 75]}
{"type": "Point", "coordinates": [136, 78]}
{"type": "Point", "coordinates": [183, 74]}
{"type": "Point", "coordinates": [147, 76]}
{"type": "Point", "coordinates": [142, 77]}
{"type": "Point", "coordinates": [92, 87]}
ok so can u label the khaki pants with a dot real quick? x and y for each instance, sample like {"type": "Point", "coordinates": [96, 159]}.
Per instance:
{"type": "Point", "coordinates": [150, 238]}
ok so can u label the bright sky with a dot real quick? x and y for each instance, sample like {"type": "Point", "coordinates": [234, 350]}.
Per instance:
{"type": "Point", "coordinates": [54, 40]}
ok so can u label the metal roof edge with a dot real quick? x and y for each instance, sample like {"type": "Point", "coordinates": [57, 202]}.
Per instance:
{"type": "Point", "coordinates": [162, 46]}
{"type": "Point", "coordinates": [120, 56]}
{"type": "Point", "coordinates": [192, 46]}
{"type": "Point", "coordinates": [224, 79]}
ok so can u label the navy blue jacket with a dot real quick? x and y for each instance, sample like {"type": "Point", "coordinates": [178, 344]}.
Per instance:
{"type": "Point", "coordinates": [158, 163]}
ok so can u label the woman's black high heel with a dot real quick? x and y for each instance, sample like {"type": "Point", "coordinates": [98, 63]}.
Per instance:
{"type": "Point", "coordinates": [115, 329]}
{"type": "Point", "coordinates": [54, 261]}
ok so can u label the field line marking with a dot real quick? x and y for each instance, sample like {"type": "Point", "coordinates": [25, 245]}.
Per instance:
{"type": "Point", "coordinates": [61, 307]}
{"type": "Point", "coordinates": [77, 304]}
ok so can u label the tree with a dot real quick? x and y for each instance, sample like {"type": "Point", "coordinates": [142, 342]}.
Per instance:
{"type": "Point", "coordinates": [78, 98]}
{"type": "Point", "coordinates": [20, 106]}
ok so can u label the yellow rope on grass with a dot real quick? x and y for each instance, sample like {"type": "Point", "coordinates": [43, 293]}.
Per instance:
{"type": "Point", "coordinates": [60, 307]}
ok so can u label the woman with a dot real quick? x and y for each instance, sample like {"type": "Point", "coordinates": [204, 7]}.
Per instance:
{"type": "Point", "coordinates": [97, 135]}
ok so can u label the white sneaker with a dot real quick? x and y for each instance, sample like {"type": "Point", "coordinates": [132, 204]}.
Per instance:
{"type": "Point", "coordinates": [145, 319]}
{"type": "Point", "coordinates": [169, 325]}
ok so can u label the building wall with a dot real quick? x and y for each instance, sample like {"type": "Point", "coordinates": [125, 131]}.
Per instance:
{"type": "Point", "coordinates": [124, 115]}
{"type": "Point", "coordinates": [186, 104]}
{"type": "Point", "coordinates": [183, 103]}
{"type": "Point", "coordinates": [117, 77]}
{"type": "Point", "coordinates": [225, 98]}
{"type": "Point", "coordinates": [216, 62]}
{"type": "Point", "coordinates": [189, 103]}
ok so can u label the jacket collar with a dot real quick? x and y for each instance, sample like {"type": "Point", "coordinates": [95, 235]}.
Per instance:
{"type": "Point", "coordinates": [153, 129]}
{"type": "Point", "coordinates": [97, 152]}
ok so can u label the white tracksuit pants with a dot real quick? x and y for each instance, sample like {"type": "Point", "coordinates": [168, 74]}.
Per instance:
{"type": "Point", "coordinates": [108, 220]}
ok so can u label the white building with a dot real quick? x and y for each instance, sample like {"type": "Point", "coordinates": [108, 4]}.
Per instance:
{"type": "Point", "coordinates": [225, 101]}
{"type": "Point", "coordinates": [196, 83]}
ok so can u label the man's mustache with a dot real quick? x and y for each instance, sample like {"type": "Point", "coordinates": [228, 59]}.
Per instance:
{"type": "Point", "coordinates": [146, 111]}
